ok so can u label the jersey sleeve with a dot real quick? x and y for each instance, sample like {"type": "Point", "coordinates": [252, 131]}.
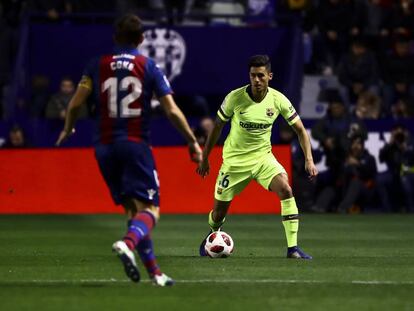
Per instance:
{"type": "Point", "coordinates": [226, 109]}
{"type": "Point", "coordinates": [87, 76]}
{"type": "Point", "coordinates": [162, 86]}
{"type": "Point", "coordinates": [287, 110]}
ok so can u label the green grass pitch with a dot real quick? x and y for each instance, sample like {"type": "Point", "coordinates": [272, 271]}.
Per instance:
{"type": "Point", "coordinates": [362, 262]}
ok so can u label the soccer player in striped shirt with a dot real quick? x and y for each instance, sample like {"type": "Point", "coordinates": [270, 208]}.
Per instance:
{"type": "Point", "coordinates": [247, 155]}
{"type": "Point", "coordinates": [122, 84]}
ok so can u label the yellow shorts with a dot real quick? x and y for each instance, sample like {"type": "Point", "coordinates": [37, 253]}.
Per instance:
{"type": "Point", "coordinates": [231, 182]}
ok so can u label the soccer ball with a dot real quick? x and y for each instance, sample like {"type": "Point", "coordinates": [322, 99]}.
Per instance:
{"type": "Point", "coordinates": [219, 244]}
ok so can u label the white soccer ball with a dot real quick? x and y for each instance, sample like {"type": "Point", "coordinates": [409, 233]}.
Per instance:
{"type": "Point", "coordinates": [219, 244]}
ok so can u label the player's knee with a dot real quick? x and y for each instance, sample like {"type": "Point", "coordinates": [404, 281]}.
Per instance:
{"type": "Point", "coordinates": [155, 211]}
{"type": "Point", "coordinates": [285, 191]}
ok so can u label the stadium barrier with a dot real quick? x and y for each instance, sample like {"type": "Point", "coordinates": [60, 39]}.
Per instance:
{"type": "Point", "coordinates": [67, 181]}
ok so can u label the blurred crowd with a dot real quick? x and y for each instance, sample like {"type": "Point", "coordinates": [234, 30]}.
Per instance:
{"type": "Point", "coordinates": [351, 182]}
{"type": "Point", "coordinates": [366, 45]}
{"type": "Point", "coordinates": [363, 51]}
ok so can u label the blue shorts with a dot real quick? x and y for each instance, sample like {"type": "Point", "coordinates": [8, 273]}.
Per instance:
{"type": "Point", "coordinates": [129, 171]}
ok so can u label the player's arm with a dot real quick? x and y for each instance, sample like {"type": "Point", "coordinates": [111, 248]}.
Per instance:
{"type": "Point", "coordinates": [177, 118]}
{"type": "Point", "coordinates": [79, 98]}
{"type": "Point", "coordinates": [204, 167]}
{"type": "Point", "coordinates": [306, 148]}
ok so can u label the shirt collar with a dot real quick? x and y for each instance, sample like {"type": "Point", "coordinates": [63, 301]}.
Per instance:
{"type": "Point", "coordinates": [122, 49]}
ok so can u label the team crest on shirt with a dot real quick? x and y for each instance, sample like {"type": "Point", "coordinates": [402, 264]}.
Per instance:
{"type": "Point", "coordinates": [270, 112]}
{"type": "Point", "coordinates": [167, 47]}
{"type": "Point", "coordinates": [219, 190]}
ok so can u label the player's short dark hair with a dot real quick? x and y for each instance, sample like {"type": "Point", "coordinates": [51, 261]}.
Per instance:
{"type": "Point", "coordinates": [128, 30]}
{"type": "Point", "coordinates": [260, 61]}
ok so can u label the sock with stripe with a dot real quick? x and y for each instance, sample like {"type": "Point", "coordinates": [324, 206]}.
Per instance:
{"type": "Point", "coordinates": [138, 227]}
{"type": "Point", "coordinates": [214, 225]}
{"type": "Point", "coordinates": [290, 220]}
{"type": "Point", "coordinates": [146, 253]}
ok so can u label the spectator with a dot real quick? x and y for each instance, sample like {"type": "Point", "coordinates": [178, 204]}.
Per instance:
{"type": "Point", "coordinates": [7, 52]}
{"type": "Point", "coordinates": [407, 173]}
{"type": "Point", "coordinates": [176, 10]}
{"type": "Point", "coordinates": [203, 130]}
{"type": "Point", "coordinates": [16, 138]}
{"type": "Point", "coordinates": [306, 196]}
{"type": "Point", "coordinates": [193, 106]}
{"type": "Point", "coordinates": [398, 73]}
{"type": "Point", "coordinates": [360, 171]}
{"type": "Point", "coordinates": [334, 23]}
{"type": "Point", "coordinates": [52, 8]}
{"type": "Point", "coordinates": [372, 19]}
{"type": "Point", "coordinates": [402, 109]}
{"type": "Point", "coordinates": [333, 133]}
{"type": "Point", "coordinates": [402, 22]}
{"type": "Point", "coordinates": [368, 106]}
{"type": "Point", "coordinates": [40, 96]}
{"type": "Point", "coordinates": [397, 181]}
{"type": "Point", "coordinates": [358, 71]}
{"type": "Point", "coordinates": [58, 104]}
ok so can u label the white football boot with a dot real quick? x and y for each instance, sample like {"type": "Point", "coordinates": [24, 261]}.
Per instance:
{"type": "Point", "coordinates": [162, 280]}
{"type": "Point", "coordinates": [127, 258]}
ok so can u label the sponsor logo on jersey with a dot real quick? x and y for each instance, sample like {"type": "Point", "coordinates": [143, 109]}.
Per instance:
{"type": "Point", "coordinates": [254, 126]}
{"type": "Point", "coordinates": [270, 112]}
{"type": "Point", "coordinates": [167, 47]}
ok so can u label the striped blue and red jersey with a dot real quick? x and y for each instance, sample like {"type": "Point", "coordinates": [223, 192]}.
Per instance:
{"type": "Point", "coordinates": [123, 84]}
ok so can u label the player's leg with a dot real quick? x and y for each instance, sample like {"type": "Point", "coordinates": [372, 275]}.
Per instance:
{"type": "Point", "coordinates": [217, 215]}
{"type": "Point", "coordinates": [271, 175]}
{"type": "Point", "coordinates": [140, 223]}
{"type": "Point", "coordinates": [290, 214]}
{"type": "Point", "coordinates": [216, 218]}
{"type": "Point", "coordinates": [228, 184]}
{"type": "Point", "coordinates": [140, 197]}
{"type": "Point", "coordinates": [143, 217]}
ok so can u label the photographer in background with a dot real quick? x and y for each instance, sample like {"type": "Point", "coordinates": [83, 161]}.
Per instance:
{"type": "Point", "coordinates": [398, 155]}
{"type": "Point", "coordinates": [334, 132]}
{"type": "Point", "coordinates": [360, 171]}
{"type": "Point", "coordinates": [407, 171]}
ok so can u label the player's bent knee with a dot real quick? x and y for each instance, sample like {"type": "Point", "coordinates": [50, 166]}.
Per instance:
{"type": "Point", "coordinates": [154, 211]}
{"type": "Point", "coordinates": [133, 206]}
{"type": "Point", "coordinates": [285, 192]}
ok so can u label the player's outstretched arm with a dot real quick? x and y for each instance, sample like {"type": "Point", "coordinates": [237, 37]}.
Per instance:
{"type": "Point", "coordinates": [204, 167]}
{"type": "Point", "coordinates": [304, 141]}
{"type": "Point", "coordinates": [177, 118]}
{"type": "Point", "coordinates": [75, 104]}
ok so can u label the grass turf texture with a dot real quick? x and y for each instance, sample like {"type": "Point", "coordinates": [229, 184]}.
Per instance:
{"type": "Point", "coordinates": [363, 262]}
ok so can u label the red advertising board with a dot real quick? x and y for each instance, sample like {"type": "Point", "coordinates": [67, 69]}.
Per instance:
{"type": "Point", "coordinates": [67, 181]}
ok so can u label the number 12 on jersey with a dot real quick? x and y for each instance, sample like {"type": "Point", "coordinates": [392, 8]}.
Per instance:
{"type": "Point", "coordinates": [130, 83]}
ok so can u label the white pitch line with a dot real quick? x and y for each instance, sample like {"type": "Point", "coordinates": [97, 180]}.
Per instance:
{"type": "Point", "coordinates": [275, 281]}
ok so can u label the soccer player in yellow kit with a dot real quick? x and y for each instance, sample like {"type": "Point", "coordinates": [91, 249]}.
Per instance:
{"type": "Point", "coordinates": [247, 152]}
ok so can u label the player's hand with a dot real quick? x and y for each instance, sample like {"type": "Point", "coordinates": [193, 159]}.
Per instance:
{"type": "Point", "coordinates": [195, 152]}
{"type": "Point", "coordinates": [203, 168]}
{"type": "Point", "coordinates": [311, 169]}
{"type": "Point", "coordinates": [64, 135]}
